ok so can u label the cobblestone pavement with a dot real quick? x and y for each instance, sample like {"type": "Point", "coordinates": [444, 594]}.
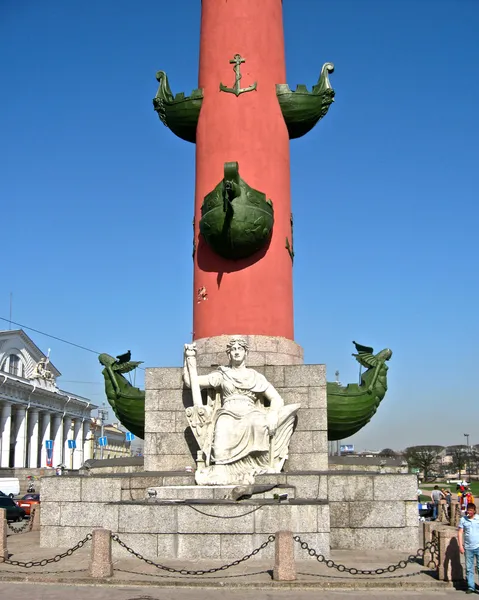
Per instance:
{"type": "Point", "coordinates": [25, 591]}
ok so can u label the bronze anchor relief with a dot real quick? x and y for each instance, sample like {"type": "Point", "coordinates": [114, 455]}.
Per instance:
{"type": "Point", "coordinates": [236, 89]}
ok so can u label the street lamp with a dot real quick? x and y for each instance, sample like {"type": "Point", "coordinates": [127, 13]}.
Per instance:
{"type": "Point", "coordinates": [103, 416]}
{"type": "Point", "coordinates": [466, 435]}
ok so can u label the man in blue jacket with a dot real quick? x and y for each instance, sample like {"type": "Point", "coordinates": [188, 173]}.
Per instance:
{"type": "Point", "coordinates": [468, 538]}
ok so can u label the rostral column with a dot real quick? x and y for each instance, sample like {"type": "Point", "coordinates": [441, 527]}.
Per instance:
{"type": "Point", "coordinates": [242, 118]}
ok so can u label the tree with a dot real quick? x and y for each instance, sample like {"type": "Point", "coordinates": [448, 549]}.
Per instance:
{"type": "Point", "coordinates": [424, 458]}
{"type": "Point", "coordinates": [388, 453]}
{"type": "Point", "coordinates": [459, 459]}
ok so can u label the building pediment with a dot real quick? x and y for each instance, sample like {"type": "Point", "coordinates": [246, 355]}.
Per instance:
{"type": "Point", "coordinates": [32, 362]}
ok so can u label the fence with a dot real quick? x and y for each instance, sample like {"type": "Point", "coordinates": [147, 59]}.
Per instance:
{"type": "Point", "coordinates": [435, 555]}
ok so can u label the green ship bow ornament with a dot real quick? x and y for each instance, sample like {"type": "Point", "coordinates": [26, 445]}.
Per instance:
{"type": "Point", "coordinates": [350, 407]}
{"type": "Point", "coordinates": [179, 113]}
{"type": "Point", "coordinates": [236, 220]}
{"type": "Point", "coordinates": [303, 109]}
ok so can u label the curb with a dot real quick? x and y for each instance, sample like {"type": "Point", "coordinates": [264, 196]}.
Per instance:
{"type": "Point", "coordinates": [175, 583]}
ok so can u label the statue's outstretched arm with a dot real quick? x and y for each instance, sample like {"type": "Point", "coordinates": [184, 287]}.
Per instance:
{"type": "Point", "coordinates": [189, 369]}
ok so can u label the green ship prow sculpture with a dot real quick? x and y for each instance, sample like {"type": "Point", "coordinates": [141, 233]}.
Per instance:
{"type": "Point", "coordinates": [350, 407]}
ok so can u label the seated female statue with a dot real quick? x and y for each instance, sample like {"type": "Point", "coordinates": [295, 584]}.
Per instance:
{"type": "Point", "coordinates": [247, 430]}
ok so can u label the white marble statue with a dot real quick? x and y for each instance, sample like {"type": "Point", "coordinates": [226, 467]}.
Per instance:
{"type": "Point", "coordinates": [244, 428]}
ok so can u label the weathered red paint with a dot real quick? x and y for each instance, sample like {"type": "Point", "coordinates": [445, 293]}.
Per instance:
{"type": "Point", "coordinates": [249, 296]}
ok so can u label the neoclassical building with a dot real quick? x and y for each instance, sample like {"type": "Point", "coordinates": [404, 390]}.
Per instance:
{"type": "Point", "coordinates": [35, 413]}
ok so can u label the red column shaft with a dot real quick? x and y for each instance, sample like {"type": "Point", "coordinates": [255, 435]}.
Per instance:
{"type": "Point", "coordinates": [249, 296]}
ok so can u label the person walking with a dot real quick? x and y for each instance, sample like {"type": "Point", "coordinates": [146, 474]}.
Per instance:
{"type": "Point", "coordinates": [468, 539]}
{"type": "Point", "coordinates": [436, 495]}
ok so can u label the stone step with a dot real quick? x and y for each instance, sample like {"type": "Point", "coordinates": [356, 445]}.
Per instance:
{"type": "Point", "coordinates": [204, 492]}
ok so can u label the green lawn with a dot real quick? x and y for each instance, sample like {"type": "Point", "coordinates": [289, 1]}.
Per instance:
{"type": "Point", "coordinates": [428, 487]}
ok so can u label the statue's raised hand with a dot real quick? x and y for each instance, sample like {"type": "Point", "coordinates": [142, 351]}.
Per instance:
{"type": "Point", "coordinates": [190, 350]}
{"type": "Point", "coordinates": [272, 422]}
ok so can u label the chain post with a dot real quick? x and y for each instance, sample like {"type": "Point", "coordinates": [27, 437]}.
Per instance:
{"type": "Point", "coordinates": [3, 535]}
{"type": "Point", "coordinates": [101, 564]}
{"type": "Point", "coordinates": [35, 518]}
{"type": "Point", "coordinates": [284, 564]}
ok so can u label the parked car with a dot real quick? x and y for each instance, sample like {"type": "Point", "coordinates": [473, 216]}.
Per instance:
{"type": "Point", "coordinates": [14, 512]}
{"type": "Point", "coordinates": [27, 501]}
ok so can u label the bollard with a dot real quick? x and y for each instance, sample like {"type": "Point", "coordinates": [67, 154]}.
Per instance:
{"type": "Point", "coordinates": [35, 518]}
{"type": "Point", "coordinates": [284, 564]}
{"type": "Point", "coordinates": [431, 534]}
{"type": "Point", "coordinates": [442, 517]}
{"type": "Point", "coordinates": [455, 513]}
{"type": "Point", "coordinates": [3, 535]}
{"type": "Point", "coordinates": [101, 564]}
{"type": "Point", "coordinates": [450, 567]}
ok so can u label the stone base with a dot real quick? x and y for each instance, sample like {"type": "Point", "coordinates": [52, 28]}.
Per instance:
{"type": "Point", "coordinates": [185, 521]}
{"type": "Point", "coordinates": [263, 350]}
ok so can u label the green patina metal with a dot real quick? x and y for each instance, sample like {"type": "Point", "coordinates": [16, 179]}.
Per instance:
{"type": "Point", "coordinates": [236, 220]}
{"type": "Point", "coordinates": [303, 109]}
{"type": "Point", "coordinates": [127, 401]}
{"type": "Point", "coordinates": [180, 114]}
{"type": "Point", "coordinates": [350, 408]}
{"type": "Point", "coordinates": [236, 89]}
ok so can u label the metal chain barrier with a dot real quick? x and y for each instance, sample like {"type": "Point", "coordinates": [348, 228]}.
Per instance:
{"type": "Point", "coordinates": [45, 561]}
{"type": "Point", "coordinates": [26, 526]}
{"type": "Point", "coordinates": [117, 539]}
{"type": "Point", "coordinates": [402, 564]}
{"type": "Point", "coordinates": [222, 516]}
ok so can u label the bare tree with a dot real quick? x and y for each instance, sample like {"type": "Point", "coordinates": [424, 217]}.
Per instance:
{"type": "Point", "coordinates": [425, 458]}
{"type": "Point", "coordinates": [388, 453]}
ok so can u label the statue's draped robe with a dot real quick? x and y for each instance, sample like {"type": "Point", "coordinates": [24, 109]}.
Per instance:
{"type": "Point", "coordinates": [240, 427]}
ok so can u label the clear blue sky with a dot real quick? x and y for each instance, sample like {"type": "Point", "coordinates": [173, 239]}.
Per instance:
{"type": "Point", "coordinates": [97, 195]}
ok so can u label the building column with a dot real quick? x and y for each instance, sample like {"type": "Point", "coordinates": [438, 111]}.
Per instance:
{"type": "Point", "coordinates": [87, 441]}
{"type": "Point", "coordinates": [67, 424]}
{"type": "Point", "coordinates": [33, 442]}
{"type": "Point", "coordinates": [5, 433]}
{"type": "Point", "coordinates": [45, 435]}
{"type": "Point", "coordinates": [21, 437]}
{"type": "Point", "coordinates": [78, 437]}
{"type": "Point", "coordinates": [57, 435]}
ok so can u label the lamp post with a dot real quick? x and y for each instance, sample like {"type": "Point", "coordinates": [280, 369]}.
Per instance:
{"type": "Point", "coordinates": [466, 435]}
{"type": "Point", "coordinates": [103, 416]}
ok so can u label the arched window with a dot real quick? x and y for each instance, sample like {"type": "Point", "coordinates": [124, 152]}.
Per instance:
{"type": "Point", "coordinates": [15, 365]}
